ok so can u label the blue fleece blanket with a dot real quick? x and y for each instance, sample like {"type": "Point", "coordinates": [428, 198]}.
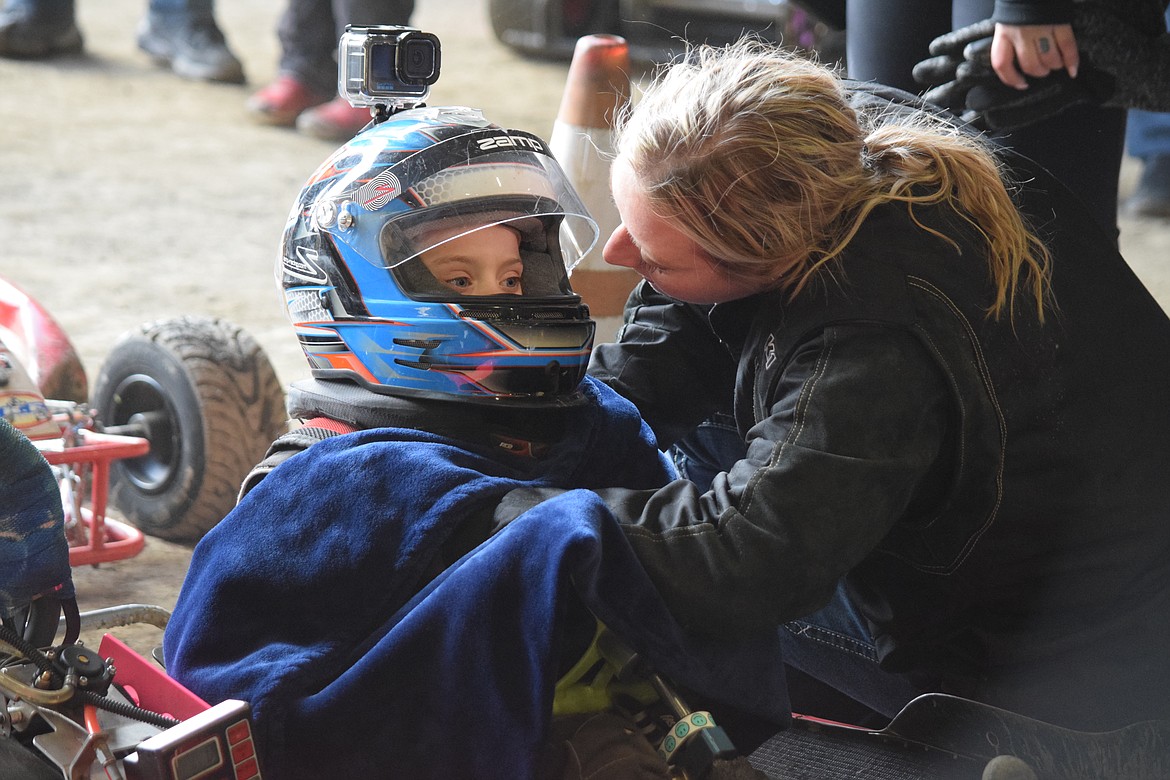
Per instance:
{"type": "Point", "coordinates": [304, 601]}
{"type": "Point", "coordinates": [34, 554]}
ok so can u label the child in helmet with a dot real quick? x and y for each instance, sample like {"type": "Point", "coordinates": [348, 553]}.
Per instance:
{"type": "Point", "coordinates": [481, 262]}
{"type": "Point", "coordinates": [371, 596]}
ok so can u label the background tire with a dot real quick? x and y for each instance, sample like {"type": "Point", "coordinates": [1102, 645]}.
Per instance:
{"type": "Point", "coordinates": [206, 396]}
{"type": "Point", "coordinates": [549, 29]}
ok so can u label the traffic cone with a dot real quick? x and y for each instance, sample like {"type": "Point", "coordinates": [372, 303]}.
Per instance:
{"type": "Point", "coordinates": [597, 88]}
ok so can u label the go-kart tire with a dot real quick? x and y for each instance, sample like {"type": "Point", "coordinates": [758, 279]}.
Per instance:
{"type": "Point", "coordinates": [205, 395]}
{"type": "Point", "coordinates": [549, 29]}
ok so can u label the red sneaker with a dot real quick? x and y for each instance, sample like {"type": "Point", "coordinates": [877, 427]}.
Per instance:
{"type": "Point", "coordinates": [282, 101]}
{"type": "Point", "coordinates": [336, 120]}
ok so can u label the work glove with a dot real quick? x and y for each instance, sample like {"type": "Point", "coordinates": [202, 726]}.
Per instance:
{"type": "Point", "coordinates": [1125, 62]}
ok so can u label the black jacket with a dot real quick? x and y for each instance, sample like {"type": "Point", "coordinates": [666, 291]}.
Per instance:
{"type": "Point", "coordinates": [996, 492]}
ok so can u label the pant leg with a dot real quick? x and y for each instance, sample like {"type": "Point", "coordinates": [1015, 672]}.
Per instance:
{"type": "Point", "coordinates": [183, 9]}
{"type": "Point", "coordinates": [834, 646]}
{"type": "Point", "coordinates": [58, 13]}
{"type": "Point", "coordinates": [884, 39]}
{"type": "Point", "coordinates": [1147, 133]}
{"type": "Point", "coordinates": [309, 31]}
{"type": "Point", "coordinates": [308, 44]}
{"type": "Point", "coordinates": [709, 449]}
{"type": "Point", "coordinates": [371, 12]}
{"type": "Point", "coordinates": [1082, 146]}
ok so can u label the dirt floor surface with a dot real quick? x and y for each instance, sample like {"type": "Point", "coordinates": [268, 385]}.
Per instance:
{"type": "Point", "coordinates": [128, 194]}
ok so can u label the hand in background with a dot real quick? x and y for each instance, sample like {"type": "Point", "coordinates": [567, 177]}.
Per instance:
{"type": "Point", "coordinates": [1034, 50]}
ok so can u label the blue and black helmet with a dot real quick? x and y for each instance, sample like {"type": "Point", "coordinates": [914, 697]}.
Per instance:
{"type": "Point", "coordinates": [367, 309]}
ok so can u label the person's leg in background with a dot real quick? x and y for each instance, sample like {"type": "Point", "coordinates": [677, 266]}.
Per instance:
{"type": "Point", "coordinates": [1148, 139]}
{"type": "Point", "coordinates": [38, 28]}
{"type": "Point", "coordinates": [183, 35]}
{"type": "Point", "coordinates": [304, 94]}
{"type": "Point", "coordinates": [884, 39]}
{"type": "Point", "coordinates": [307, 71]}
{"type": "Point", "coordinates": [337, 120]}
{"type": "Point", "coordinates": [1082, 146]}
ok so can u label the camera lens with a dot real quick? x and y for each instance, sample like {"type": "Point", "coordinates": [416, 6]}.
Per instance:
{"type": "Point", "coordinates": [418, 60]}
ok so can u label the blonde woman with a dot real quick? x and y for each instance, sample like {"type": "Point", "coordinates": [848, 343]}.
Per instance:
{"type": "Point", "coordinates": [947, 412]}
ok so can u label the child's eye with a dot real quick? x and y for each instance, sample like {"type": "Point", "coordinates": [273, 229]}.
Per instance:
{"type": "Point", "coordinates": [460, 282]}
{"type": "Point", "coordinates": [512, 282]}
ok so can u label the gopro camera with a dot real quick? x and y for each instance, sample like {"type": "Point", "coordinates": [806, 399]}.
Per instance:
{"type": "Point", "coordinates": [387, 65]}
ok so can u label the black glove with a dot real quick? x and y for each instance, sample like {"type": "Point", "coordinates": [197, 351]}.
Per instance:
{"type": "Point", "coordinates": [1125, 62]}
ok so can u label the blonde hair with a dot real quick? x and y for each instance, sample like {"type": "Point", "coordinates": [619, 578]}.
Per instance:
{"type": "Point", "coordinates": [757, 156]}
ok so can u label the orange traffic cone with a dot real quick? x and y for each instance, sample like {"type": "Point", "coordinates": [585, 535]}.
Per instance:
{"type": "Point", "coordinates": [597, 88]}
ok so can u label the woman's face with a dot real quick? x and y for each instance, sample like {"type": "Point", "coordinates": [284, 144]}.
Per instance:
{"type": "Point", "coordinates": [662, 254]}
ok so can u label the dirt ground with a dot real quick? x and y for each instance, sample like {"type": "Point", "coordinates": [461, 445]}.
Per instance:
{"type": "Point", "coordinates": [128, 194]}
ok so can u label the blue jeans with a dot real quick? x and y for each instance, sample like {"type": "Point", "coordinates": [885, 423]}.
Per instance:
{"type": "Point", "coordinates": [832, 645]}
{"type": "Point", "coordinates": [183, 9]}
{"type": "Point", "coordinates": [62, 11]}
{"type": "Point", "coordinates": [1148, 133]}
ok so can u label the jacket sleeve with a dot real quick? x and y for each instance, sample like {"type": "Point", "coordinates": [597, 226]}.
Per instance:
{"type": "Point", "coordinates": [851, 447]}
{"type": "Point", "coordinates": [668, 362]}
{"type": "Point", "coordinates": [1023, 12]}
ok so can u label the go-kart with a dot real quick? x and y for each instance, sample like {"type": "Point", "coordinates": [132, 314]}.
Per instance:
{"type": "Point", "coordinates": [179, 413]}
{"type": "Point", "coordinates": [66, 711]}
{"type": "Point", "coordinates": [160, 411]}
{"type": "Point", "coordinates": [181, 410]}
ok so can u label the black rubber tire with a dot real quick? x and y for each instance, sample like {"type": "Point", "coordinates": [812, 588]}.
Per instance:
{"type": "Point", "coordinates": [206, 396]}
{"type": "Point", "coordinates": [549, 29]}
{"type": "Point", "coordinates": [518, 24]}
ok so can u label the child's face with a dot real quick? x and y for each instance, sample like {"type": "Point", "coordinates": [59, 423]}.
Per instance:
{"type": "Point", "coordinates": [485, 262]}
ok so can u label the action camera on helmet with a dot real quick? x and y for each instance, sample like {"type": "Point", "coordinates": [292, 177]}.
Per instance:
{"type": "Point", "coordinates": [387, 65]}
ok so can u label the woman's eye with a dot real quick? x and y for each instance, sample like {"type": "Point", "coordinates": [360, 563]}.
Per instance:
{"type": "Point", "coordinates": [512, 282]}
{"type": "Point", "coordinates": [459, 281]}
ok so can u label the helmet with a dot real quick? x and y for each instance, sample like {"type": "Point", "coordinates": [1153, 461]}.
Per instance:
{"type": "Point", "coordinates": [367, 308]}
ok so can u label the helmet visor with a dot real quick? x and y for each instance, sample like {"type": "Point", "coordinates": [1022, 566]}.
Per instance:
{"type": "Point", "coordinates": [523, 188]}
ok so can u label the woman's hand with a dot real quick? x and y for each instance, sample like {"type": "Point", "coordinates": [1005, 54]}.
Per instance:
{"type": "Point", "coordinates": [1034, 50]}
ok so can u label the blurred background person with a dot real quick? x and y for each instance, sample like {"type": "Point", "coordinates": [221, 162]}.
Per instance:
{"type": "Point", "coordinates": [1083, 146]}
{"type": "Point", "coordinates": [1147, 138]}
{"type": "Point", "coordinates": [179, 34]}
{"type": "Point", "coordinates": [304, 94]}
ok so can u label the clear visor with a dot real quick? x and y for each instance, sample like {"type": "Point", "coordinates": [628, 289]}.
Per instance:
{"type": "Point", "coordinates": [525, 192]}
